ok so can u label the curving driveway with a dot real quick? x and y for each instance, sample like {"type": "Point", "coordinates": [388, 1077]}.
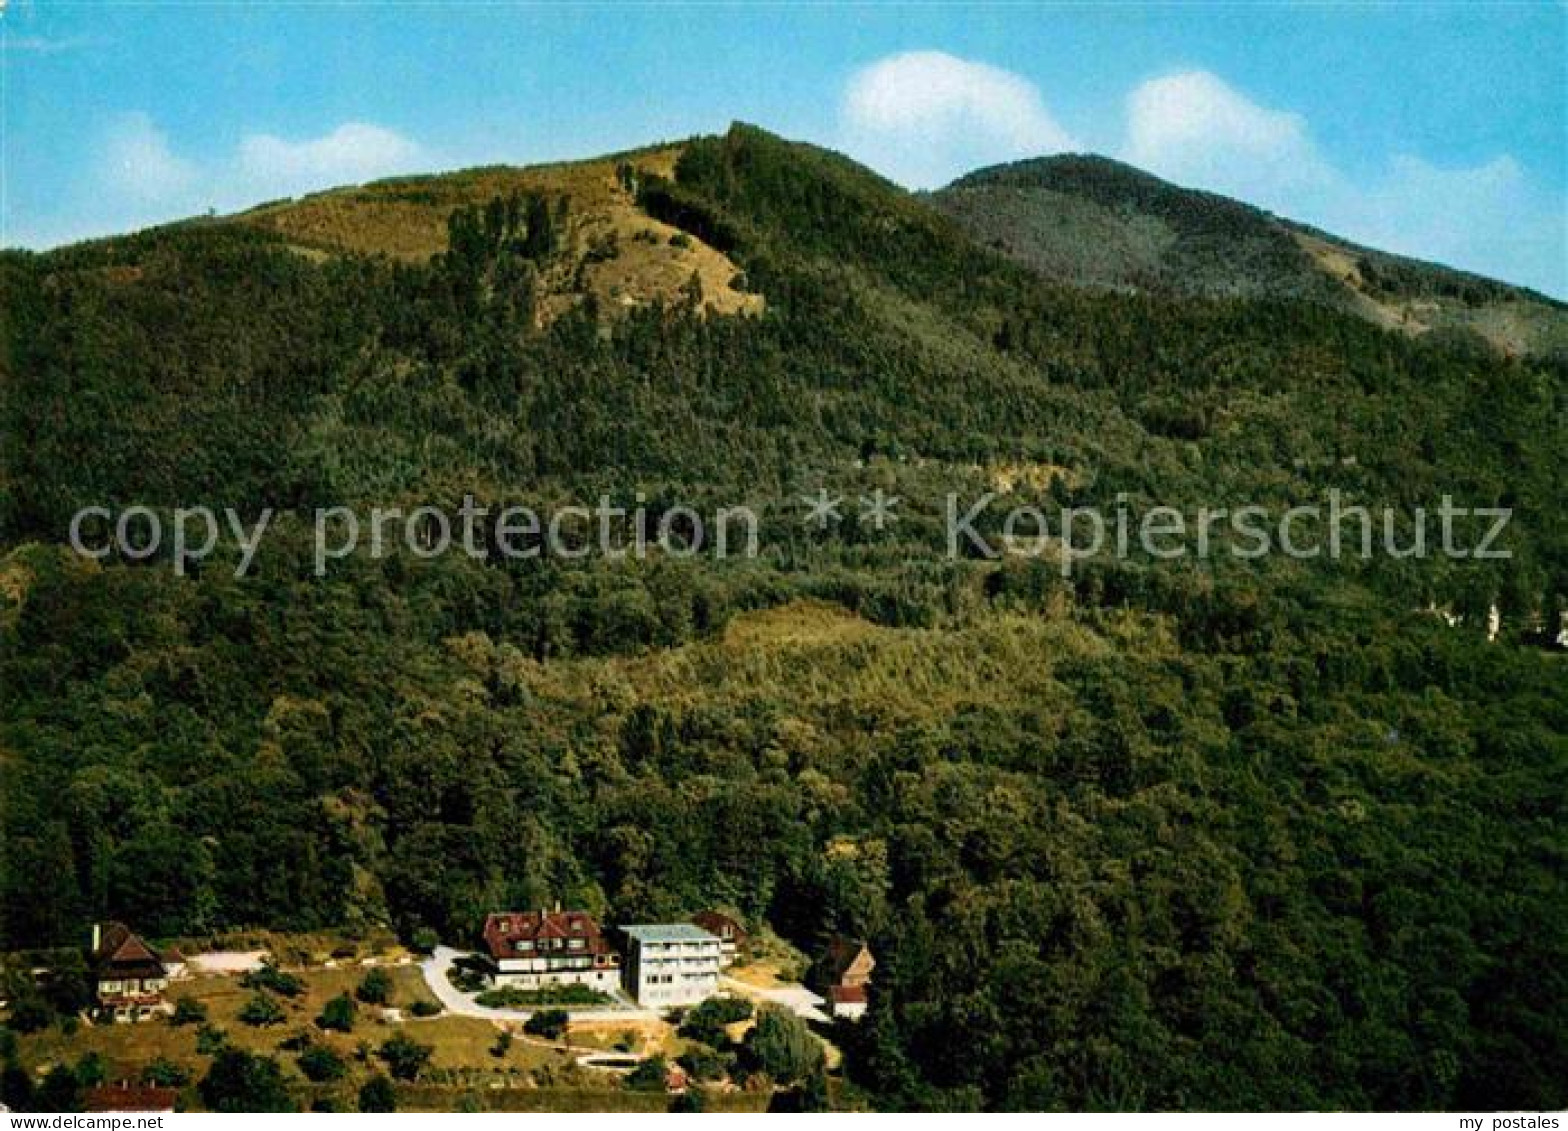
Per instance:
{"type": "Point", "coordinates": [453, 1000]}
{"type": "Point", "coordinates": [791, 995]}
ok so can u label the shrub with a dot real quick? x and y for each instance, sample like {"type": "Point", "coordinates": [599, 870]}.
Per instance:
{"type": "Point", "coordinates": [30, 1014]}
{"type": "Point", "coordinates": [377, 1094]}
{"type": "Point", "coordinates": [782, 1046]}
{"type": "Point", "coordinates": [60, 1091]}
{"type": "Point", "coordinates": [211, 1040]}
{"type": "Point", "coordinates": [92, 1070]}
{"type": "Point", "coordinates": [425, 1008]}
{"type": "Point", "coordinates": [706, 1022]}
{"type": "Point", "coordinates": [467, 980]}
{"type": "Point", "coordinates": [68, 989]}
{"type": "Point", "coordinates": [705, 1064]}
{"type": "Point", "coordinates": [811, 1095]}
{"type": "Point", "coordinates": [651, 1075]}
{"type": "Point", "coordinates": [375, 988]}
{"type": "Point", "coordinates": [690, 1101]}
{"type": "Point", "coordinates": [16, 1088]}
{"type": "Point", "coordinates": [268, 977]}
{"type": "Point", "coordinates": [240, 1082]}
{"type": "Point", "coordinates": [405, 1057]}
{"type": "Point", "coordinates": [548, 1023]}
{"type": "Point", "coordinates": [262, 1009]}
{"type": "Point", "coordinates": [338, 1014]}
{"type": "Point", "coordinates": [320, 1064]}
{"type": "Point", "coordinates": [164, 1073]}
{"type": "Point", "coordinates": [189, 1011]}
{"type": "Point", "coordinates": [511, 997]}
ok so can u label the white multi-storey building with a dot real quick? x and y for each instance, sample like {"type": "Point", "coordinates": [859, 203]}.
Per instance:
{"type": "Point", "coordinates": [671, 964]}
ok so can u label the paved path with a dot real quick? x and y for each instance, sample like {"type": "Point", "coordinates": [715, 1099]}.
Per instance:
{"type": "Point", "coordinates": [455, 1001]}
{"type": "Point", "coordinates": [225, 961]}
{"type": "Point", "coordinates": [791, 995]}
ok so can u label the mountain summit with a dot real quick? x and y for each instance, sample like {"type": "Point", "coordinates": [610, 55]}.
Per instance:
{"type": "Point", "coordinates": [1091, 221]}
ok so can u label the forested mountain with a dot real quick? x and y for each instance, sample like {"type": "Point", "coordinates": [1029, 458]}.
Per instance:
{"type": "Point", "coordinates": [1092, 221]}
{"type": "Point", "coordinates": [1160, 833]}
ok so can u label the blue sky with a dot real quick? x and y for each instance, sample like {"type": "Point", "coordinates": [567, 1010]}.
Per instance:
{"type": "Point", "coordinates": [1434, 129]}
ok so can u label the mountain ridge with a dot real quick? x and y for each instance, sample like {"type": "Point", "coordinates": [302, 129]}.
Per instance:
{"type": "Point", "coordinates": [1090, 220]}
{"type": "Point", "coordinates": [1079, 219]}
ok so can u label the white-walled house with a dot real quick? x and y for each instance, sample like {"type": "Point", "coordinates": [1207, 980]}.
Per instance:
{"type": "Point", "coordinates": [533, 949]}
{"type": "Point", "coordinates": [669, 964]}
{"type": "Point", "coordinates": [128, 975]}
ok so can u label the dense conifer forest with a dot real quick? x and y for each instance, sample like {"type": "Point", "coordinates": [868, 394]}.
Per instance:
{"type": "Point", "coordinates": [1155, 834]}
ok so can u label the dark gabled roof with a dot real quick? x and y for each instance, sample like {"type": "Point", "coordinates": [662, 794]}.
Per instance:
{"type": "Point", "coordinates": [716, 923]}
{"type": "Point", "coordinates": [505, 929]}
{"type": "Point", "coordinates": [121, 951]}
{"type": "Point", "coordinates": [841, 955]}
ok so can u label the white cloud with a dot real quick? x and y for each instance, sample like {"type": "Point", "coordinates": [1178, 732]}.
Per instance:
{"type": "Point", "coordinates": [137, 161]}
{"type": "Point", "coordinates": [925, 117]}
{"type": "Point", "coordinates": [1490, 218]}
{"type": "Point", "coordinates": [352, 153]}
{"type": "Point", "coordinates": [137, 179]}
{"type": "Point", "coordinates": [141, 180]}
{"type": "Point", "coordinates": [1196, 130]}
{"type": "Point", "coordinates": [1198, 108]}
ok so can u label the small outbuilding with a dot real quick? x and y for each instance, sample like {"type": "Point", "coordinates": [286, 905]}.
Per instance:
{"type": "Point", "coordinates": [727, 929]}
{"type": "Point", "coordinates": [846, 972]}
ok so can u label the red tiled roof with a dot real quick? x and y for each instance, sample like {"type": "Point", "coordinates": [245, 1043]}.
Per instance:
{"type": "Point", "coordinates": [847, 995]}
{"type": "Point", "coordinates": [130, 1097]}
{"type": "Point", "coordinates": [505, 929]}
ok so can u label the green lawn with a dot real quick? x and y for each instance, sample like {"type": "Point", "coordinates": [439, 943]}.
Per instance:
{"type": "Point", "coordinates": [463, 1059]}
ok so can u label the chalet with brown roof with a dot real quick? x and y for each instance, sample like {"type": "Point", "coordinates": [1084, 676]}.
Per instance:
{"type": "Point", "coordinates": [731, 935]}
{"type": "Point", "coordinates": [847, 1001]}
{"type": "Point", "coordinates": [532, 949]}
{"type": "Point", "coordinates": [846, 969]}
{"type": "Point", "coordinates": [129, 975]}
